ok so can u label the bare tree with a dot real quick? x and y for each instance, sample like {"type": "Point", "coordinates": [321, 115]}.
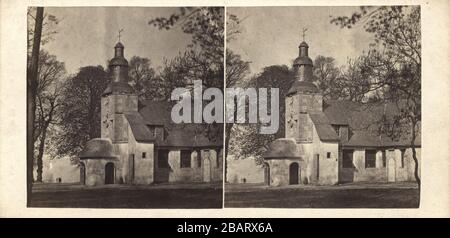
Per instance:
{"type": "Point", "coordinates": [50, 74]}
{"type": "Point", "coordinates": [32, 82]}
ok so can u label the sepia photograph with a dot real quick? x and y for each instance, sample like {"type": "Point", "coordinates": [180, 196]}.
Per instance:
{"type": "Point", "coordinates": [224, 109]}
{"type": "Point", "coordinates": [349, 99]}
{"type": "Point", "coordinates": [99, 101]}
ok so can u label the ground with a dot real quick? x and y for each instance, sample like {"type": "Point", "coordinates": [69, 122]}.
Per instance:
{"type": "Point", "coordinates": [355, 195]}
{"type": "Point", "coordinates": [199, 195]}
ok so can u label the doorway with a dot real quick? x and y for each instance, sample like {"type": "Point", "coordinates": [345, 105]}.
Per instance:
{"type": "Point", "coordinates": [109, 173]}
{"type": "Point", "coordinates": [82, 174]}
{"type": "Point", "coordinates": [293, 173]}
{"type": "Point", "coordinates": [267, 174]}
{"type": "Point", "coordinates": [391, 168]}
{"type": "Point", "coordinates": [131, 169]}
{"type": "Point", "coordinates": [206, 170]}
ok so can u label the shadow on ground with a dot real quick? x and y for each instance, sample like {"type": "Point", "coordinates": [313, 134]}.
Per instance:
{"type": "Point", "coordinates": [199, 195]}
{"type": "Point", "coordinates": [397, 195]}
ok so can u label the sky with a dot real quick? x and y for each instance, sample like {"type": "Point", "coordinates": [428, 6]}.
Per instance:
{"type": "Point", "coordinates": [271, 35]}
{"type": "Point", "coordinates": [87, 35]}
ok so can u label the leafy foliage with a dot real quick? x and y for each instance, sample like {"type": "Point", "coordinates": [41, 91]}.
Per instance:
{"type": "Point", "coordinates": [394, 65]}
{"type": "Point", "coordinates": [80, 106]}
{"type": "Point", "coordinates": [144, 79]}
{"type": "Point", "coordinates": [245, 138]}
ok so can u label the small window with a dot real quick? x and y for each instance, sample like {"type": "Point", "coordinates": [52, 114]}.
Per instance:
{"type": "Point", "coordinates": [370, 158]}
{"type": "Point", "coordinates": [347, 160]}
{"type": "Point", "coordinates": [328, 155]}
{"type": "Point", "coordinates": [152, 130]}
{"type": "Point", "coordinates": [185, 159]}
{"type": "Point", "coordinates": [383, 158]}
{"type": "Point", "coordinates": [163, 159]}
{"type": "Point", "coordinates": [144, 155]}
{"type": "Point", "coordinates": [336, 129]}
{"type": "Point", "coordinates": [402, 158]}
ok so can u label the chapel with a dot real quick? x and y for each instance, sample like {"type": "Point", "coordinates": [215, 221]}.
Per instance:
{"type": "Point", "coordinates": [330, 142]}
{"type": "Point", "coordinates": [139, 143]}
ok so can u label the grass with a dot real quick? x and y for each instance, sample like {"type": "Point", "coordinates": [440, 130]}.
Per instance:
{"type": "Point", "coordinates": [345, 196]}
{"type": "Point", "coordinates": [120, 196]}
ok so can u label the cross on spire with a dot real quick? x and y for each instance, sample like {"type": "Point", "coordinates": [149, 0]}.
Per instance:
{"type": "Point", "coordinates": [120, 31]}
{"type": "Point", "coordinates": [303, 32]}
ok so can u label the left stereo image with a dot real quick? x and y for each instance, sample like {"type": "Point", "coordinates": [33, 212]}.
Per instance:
{"type": "Point", "coordinates": [116, 114]}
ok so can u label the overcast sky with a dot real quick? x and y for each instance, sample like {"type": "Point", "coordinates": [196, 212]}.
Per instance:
{"type": "Point", "coordinates": [271, 35]}
{"type": "Point", "coordinates": [87, 35]}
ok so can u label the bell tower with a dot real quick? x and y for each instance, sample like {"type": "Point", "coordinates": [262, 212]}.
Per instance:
{"type": "Point", "coordinates": [303, 97]}
{"type": "Point", "coordinates": [117, 99]}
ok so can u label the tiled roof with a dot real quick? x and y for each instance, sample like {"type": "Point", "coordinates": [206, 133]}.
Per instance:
{"type": "Point", "coordinates": [157, 113]}
{"type": "Point", "coordinates": [323, 127]}
{"type": "Point", "coordinates": [283, 148]}
{"type": "Point", "coordinates": [303, 86]}
{"type": "Point", "coordinates": [98, 148]}
{"type": "Point", "coordinates": [140, 131]}
{"type": "Point", "coordinates": [118, 87]}
{"type": "Point", "coordinates": [363, 121]}
{"type": "Point", "coordinates": [190, 135]}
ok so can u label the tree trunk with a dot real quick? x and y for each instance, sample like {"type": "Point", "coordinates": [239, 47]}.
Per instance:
{"type": "Point", "coordinates": [414, 154]}
{"type": "Point", "coordinates": [41, 153]}
{"type": "Point", "coordinates": [32, 78]}
{"type": "Point", "coordinates": [228, 127]}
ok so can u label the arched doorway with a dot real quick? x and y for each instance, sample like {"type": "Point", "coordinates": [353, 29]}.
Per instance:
{"type": "Point", "coordinates": [293, 173]}
{"type": "Point", "coordinates": [82, 174]}
{"type": "Point", "coordinates": [267, 174]}
{"type": "Point", "coordinates": [109, 173]}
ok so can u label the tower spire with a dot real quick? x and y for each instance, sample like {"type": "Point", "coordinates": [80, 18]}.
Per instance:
{"type": "Point", "coordinates": [303, 32]}
{"type": "Point", "coordinates": [120, 31]}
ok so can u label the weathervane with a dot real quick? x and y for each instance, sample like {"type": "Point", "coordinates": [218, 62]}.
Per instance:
{"type": "Point", "coordinates": [119, 33]}
{"type": "Point", "coordinates": [303, 32]}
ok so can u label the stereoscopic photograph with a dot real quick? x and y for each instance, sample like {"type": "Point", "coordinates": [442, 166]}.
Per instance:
{"type": "Point", "coordinates": [344, 103]}
{"type": "Point", "coordinates": [109, 115]}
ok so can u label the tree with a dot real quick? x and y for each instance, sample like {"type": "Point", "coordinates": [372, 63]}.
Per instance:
{"type": "Point", "coordinates": [32, 79]}
{"type": "Point", "coordinates": [143, 78]}
{"type": "Point", "coordinates": [203, 59]}
{"type": "Point", "coordinates": [245, 139]}
{"type": "Point", "coordinates": [326, 76]}
{"type": "Point", "coordinates": [49, 29]}
{"type": "Point", "coordinates": [80, 109]}
{"type": "Point", "coordinates": [205, 53]}
{"type": "Point", "coordinates": [51, 72]}
{"type": "Point", "coordinates": [394, 65]}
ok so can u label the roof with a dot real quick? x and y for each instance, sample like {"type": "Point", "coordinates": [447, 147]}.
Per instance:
{"type": "Point", "coordinates": [303, 44]}
{"type": "Point", "coordinates": [282, 148]}
{"type": "Point", "coordinates": [118, 87]}
{"type": "Point", "coordinates": [190, 135]}
{"type": "Point", "coordinates": [118, 61]}
{"type": "Point", "coordinates": [119, 45]}
{"type": "Point", "coordinates": [301, 60]}
{"type": "Point", "coordinates": [363, 121]}
{"type": "Point", "coordinates": [157, 113]}
{"type": "Point", "coordinates": [140, 131]}
{"type": "Point", "coordinates": [323, 127]}
{"type": "Point", "coordinates": [98, 148]}
{"type": "Point", "coordinates": [303, 86]}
